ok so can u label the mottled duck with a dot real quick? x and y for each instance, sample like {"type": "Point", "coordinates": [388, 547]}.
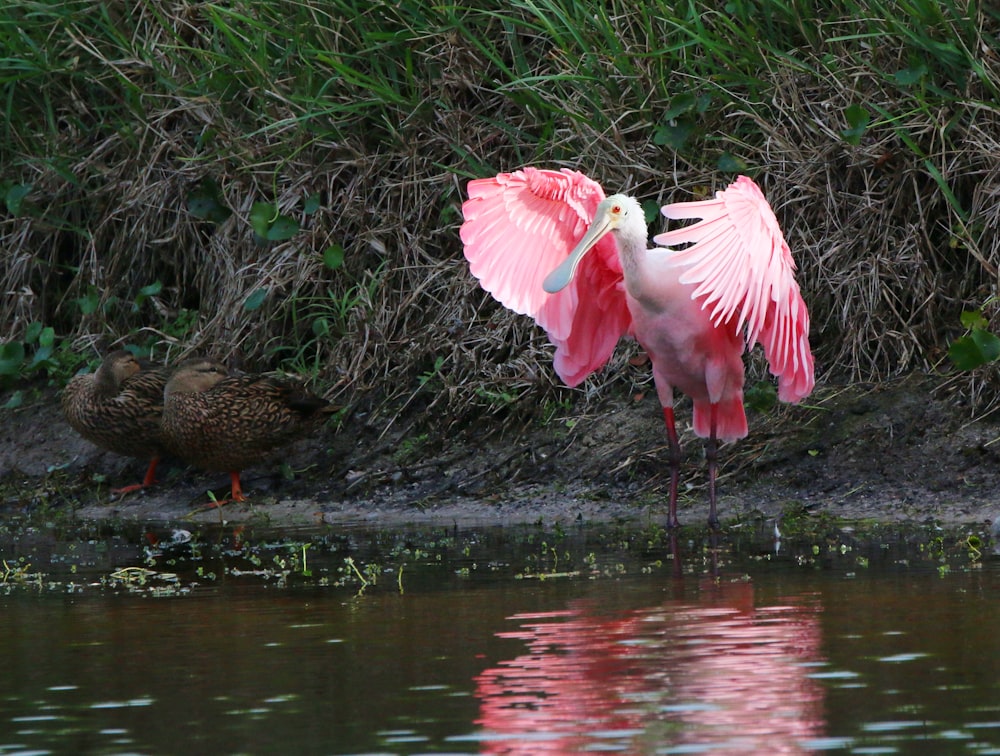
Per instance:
{"type": "Point", "coordinates": [226, 423]}
{"type": "Point", "coordinates": [118, 408]}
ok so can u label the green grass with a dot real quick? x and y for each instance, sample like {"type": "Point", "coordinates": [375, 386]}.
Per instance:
{"type": "Point", "coordinates": [224, 149]}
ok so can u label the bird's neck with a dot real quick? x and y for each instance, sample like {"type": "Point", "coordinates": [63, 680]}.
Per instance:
{"type": "Point", "coordinates": [632, 251]}
{"type": "Point", "coordinates": [651, 281]}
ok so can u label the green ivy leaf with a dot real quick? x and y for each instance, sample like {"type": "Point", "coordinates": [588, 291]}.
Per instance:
{"type": "Point", "coordinates": [89, 302]}
{"type": "Point", "coordinates": [282, 228]}
{"type": "Point", "coordinates": [761, 397]}
{"type": "Point", "coordinates": [857, 123]}
{"type": "Point", "coordinates": [651, 210]}
{"type": "Point", "coordinates": [261, 215]}
{"type": "Point", "coordinates": [673, 135]}
{"type": "Point", "coordinates": [909, 76]}
{"type": "Point", "coordinates": [47, 337]}
{"type": "Point", "coordinates": [41, 356]}
{"type": "Point", "coordinates": [32, 332]}
{"type": "Point", "coordinates": [321, 327]}
{"type": "Point", "coordinates": [256, 299]}
{"type": "Point", "coordinates": [15, 197]}
{"type": "Point", "coordinates": [145, 293]}
{"type": "Point", "coordinates": [205, 203]}
{"type": "Point", "coordinates": [680, 105]}
{"type": "Point", "coordinates": [11, 358]}
{"type": "Point", "coordinates": [729, 163]}
{"type": "Point", "coordinates": [312, 203]}
{"type": "Point", "coordinates": [972, 319]}
{"type": "Point", "coordinates": [271, 225]}
{"type": "Point", "coordinates": [333, 256]}
{"type": "Point", "coordinates": [975, 349]}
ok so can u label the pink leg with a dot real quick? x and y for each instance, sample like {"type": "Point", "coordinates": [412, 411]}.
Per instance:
{"type": "Point", "coordinates": [711, 456]}
{"type": "Point", "coordinates": [150, 478]}
{"type": "Point", "coordinates": [675, 465]}
{"type": "Point", "coordinates": [237, 489]}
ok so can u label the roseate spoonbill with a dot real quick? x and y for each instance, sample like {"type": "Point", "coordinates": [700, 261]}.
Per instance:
{"type": "Point", "coordinates": [118, 408]}
{"type": "Point", "coordinates": [691, 304]}
{"type": "Point", "coordinates": [221, 422]}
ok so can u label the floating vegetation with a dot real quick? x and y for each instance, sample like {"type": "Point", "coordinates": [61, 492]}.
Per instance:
{"type": "Point", "coordinates": [18, 573]}
{"type": "Point", "coordinates": [146, 581]}
{"type": "Point", "coordinates": [166, 561]}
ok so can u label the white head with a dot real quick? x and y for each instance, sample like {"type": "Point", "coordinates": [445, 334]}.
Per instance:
{"type": "Point", "coordinates": [618, 214]}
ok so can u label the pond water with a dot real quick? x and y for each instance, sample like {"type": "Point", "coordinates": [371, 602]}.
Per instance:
{"type": "Point", "coordinates": [525, 640]}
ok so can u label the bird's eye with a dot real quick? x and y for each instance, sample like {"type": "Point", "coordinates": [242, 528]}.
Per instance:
{"type": "Point", "coordinates": [616, 209]}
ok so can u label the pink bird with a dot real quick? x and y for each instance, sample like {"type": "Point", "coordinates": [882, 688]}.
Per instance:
{"type": "Point", "coordinates": [692, 304]}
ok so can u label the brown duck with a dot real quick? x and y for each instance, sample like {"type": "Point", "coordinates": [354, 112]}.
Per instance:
{"type": "Point", "coordinates": [118, 408]}
{"type": "Point", "coordinates": [226, 423]}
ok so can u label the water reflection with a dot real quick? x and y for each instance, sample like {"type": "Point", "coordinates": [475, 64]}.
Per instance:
{"type": "Point", "coordinates": [720, 674]}
{"type": "Point", "coordinates": [848, 652]}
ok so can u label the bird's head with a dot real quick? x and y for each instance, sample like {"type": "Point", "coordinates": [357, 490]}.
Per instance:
{"type": "Point", "coordinates": [617, 213]}
{"type": "Point", "coordinates": [195, 375]}
{"type": "Point", "coordinates": [118, 366]}
{"type": "Point", "coordinates": [123, 364]}
{"type": "Point", "coordinates": [617, 210]}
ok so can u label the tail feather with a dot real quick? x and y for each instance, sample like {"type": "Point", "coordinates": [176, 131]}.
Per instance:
{"type": "Point", "coordinates": [730, 419]}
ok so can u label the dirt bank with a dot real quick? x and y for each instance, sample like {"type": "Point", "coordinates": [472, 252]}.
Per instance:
{"type": "Point", "coordinates": [906, 450]}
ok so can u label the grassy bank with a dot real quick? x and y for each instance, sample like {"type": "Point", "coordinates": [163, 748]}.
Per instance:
{"type": "Point", "coordinates": [279, 183]}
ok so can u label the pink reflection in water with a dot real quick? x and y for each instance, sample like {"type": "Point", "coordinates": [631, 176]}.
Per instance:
{"type": "Point", "coordinates": [722, 673]}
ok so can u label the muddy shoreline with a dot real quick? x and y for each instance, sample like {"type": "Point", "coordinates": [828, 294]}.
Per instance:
{"type": "Point", "coordinates": [908, 450]}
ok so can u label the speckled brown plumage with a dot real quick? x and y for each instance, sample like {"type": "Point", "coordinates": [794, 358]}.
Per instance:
{"type": "Point", "coordinates": [118, 408]}
{"type": "Point", "coordinates": [228, 423]}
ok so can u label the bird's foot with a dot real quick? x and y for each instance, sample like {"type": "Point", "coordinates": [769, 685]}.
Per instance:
{"type": "Point", "coordinates": [118, 493]}
{"type": "Point", "coordinates": [215, 503]}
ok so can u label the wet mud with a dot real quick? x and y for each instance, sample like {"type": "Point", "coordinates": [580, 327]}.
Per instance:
{"type": "Point", "coordinates": [908, 450]}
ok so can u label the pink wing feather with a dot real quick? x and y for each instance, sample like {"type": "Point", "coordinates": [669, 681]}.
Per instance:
{"type": "Point", "coordinates": [518, 227]}
{"type": "Point", "coordinates": [740, 265]}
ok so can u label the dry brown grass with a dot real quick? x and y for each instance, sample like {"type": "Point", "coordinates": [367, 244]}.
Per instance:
{"type": "Point", "coordinates": [886, 261]}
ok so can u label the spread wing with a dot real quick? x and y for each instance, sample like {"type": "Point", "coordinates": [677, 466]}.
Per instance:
{"type": "Point", "coordinates": [518, 227]}
{"type": "Point", "coordinates": [739, 262]}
